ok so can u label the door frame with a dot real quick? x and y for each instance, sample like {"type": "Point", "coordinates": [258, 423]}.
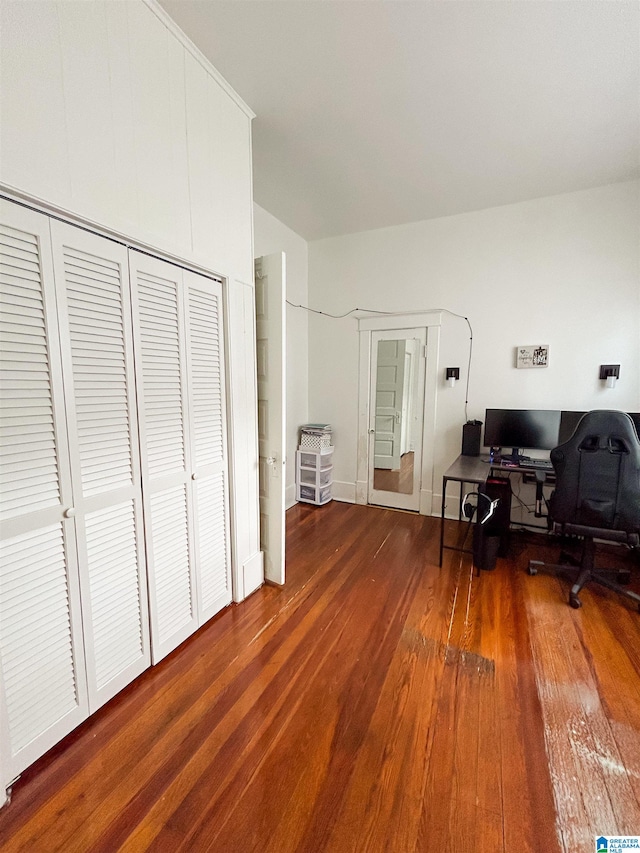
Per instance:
{"type": "Point", "coordinates": [431, 321]}
{"type": "Point", "coordinates": [270, 291]}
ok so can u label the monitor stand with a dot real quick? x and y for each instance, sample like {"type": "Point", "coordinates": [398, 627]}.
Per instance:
{"type": "Point", "coordinates": [516, 455]}
{"type": "Point", "coordinates": [496, 456]}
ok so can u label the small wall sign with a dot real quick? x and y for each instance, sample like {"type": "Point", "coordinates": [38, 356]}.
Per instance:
{"type": "Point", "coordinates": [533, 356]}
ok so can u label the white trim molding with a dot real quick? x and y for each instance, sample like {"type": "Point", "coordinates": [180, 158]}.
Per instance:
{"type": "Point", "coordinates": [431, 321]}
{"type": "Point", "coordinates": [252, 574]}
{"type": "Point", "coordinates": [343, 492]}
{"type": "Point", "coordinates": [197, 54]}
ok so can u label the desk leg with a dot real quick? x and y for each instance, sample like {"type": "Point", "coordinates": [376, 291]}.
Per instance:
{"type": "Point", "coordinates": [444, 491]}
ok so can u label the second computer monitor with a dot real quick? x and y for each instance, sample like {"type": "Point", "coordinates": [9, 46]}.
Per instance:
{"type": "Point", "coordinates": [519, 429]}
{"type": "Point", "coordinates": [570, 420]}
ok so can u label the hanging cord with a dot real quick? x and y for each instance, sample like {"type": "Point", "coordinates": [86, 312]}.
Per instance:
{"type": "Point", "coordinates": [340, 316]}
{"type": "Point", "coordinates": [466, 393]}
{"type": "Point", "coordinates": [390, 314]}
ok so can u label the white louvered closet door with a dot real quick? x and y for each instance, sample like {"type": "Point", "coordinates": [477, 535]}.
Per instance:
{"type": "Point", "coordinates": [158, 308]}
{"type": "Point", "coordinates": [207, 439]}
{"type": "Point", "coordinates": [43, 691]}
{"type": "Point", "coordinates": [92, 283]}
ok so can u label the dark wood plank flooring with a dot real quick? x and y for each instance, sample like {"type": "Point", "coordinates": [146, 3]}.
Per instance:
{"type": "Point", "coordinates": [375, 703]}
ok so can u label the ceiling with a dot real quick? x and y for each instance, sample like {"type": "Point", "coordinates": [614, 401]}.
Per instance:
{"type": "Point", "coordinates": [371, 113]}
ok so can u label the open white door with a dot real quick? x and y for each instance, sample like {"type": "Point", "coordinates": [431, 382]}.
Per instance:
{"type": "Point", "coordinates": [270, 272]}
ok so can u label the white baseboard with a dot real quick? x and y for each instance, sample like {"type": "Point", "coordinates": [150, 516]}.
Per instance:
{"type": "Point", "coordinates": [344, 492]}
{"type": "Point", "coordinates": [426, 502]}
{"type": "Point", "coordinates": [436, 504]}
{"type": "Point", "coordinates": [362, 490]}
{"type": "Point", "coordinates": [357, 493]}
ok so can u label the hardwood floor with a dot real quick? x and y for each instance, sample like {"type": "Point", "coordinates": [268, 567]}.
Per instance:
{"type": "Point", "coordinates": [375, 703]}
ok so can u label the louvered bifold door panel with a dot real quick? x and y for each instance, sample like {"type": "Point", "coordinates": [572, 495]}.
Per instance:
{"type": "Point", "coordinates": [162, 379]}
{"type": "Point", "coordinates": [208, 442]}
{"type": "Point", "coordinates": [43, 692]}
{"type": "Point", "coordinates": [92, 284]}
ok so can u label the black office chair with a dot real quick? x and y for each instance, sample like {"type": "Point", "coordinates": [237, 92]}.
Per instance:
{"type": "Point", "coordinates": [597, 495]}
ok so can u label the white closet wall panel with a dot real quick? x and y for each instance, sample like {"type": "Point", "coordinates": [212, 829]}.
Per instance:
{"type": "Point", "coordinates": [158, 305]}
{"type": "Point", "coordinates": [123, 121]}
{"type": "Point", "coordinates": [232, 182]}
{"type": "Point", "coordinates": [43, 694]}
{"type": "Point", "coordinates": [83, 35]}
{"type": "Point", "coordinates": [179, 201]}
{"type": "Point", "coordinates": [128, 126]}
{"type": "Point", "coordinates": [219, 157]}
{"type": "Point", "coordinates": [160, 132]}
{"type": "Point", "coordinates": [92, 284]}
{"type": "Point", "coordinates": [200, 155]}
{"type": "Point", "coordinates": [33, 141]}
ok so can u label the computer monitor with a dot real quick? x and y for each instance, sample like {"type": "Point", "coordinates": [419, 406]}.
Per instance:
{"type": "Point", "coordinates": [519, 429]}
{"type": "Point", "coordinates": [569, 421]}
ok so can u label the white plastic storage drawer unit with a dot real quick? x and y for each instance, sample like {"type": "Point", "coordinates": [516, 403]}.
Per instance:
{"type": "Point", "coordinates": [314, 475]}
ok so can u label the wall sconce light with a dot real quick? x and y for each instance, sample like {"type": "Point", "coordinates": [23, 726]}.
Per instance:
{"type": "Point", "coordinates": [610, 372]}
{"type": "Point", "coordinates": [452, 373]}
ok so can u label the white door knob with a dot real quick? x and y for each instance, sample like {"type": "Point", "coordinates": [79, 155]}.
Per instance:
{"type": "Point", "coordinates": [69, 512]}
{"type": "Point", "coordinates": [194, 476]}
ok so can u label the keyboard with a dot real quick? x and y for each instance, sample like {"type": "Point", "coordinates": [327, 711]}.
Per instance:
{"type": "Point", "coordinates": [540, 464]}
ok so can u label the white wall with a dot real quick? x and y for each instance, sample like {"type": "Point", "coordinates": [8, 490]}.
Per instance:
{"type": "Point", "coordinates": [562, 271]}
{"type": "Point", "coordinates": [111, 117]}
{"type": "Point", "coordinates": [270, 235]}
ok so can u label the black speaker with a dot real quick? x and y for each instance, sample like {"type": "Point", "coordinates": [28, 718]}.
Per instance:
{"type": "Point", "coordinates": [471, 438]}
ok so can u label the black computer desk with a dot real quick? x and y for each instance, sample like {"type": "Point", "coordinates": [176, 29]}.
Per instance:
{"type": "Point", "coordinates": [474, 471]}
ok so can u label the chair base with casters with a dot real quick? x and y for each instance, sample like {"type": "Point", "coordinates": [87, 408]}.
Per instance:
{"type": "Point", "coordinates": [613, 579]}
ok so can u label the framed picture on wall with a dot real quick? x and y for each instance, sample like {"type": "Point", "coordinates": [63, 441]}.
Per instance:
{"type": "Point", "coordinates": [532, 356]}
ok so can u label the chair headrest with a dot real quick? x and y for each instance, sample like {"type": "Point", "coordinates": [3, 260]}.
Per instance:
{"type": "Point", "coordinates": [605, 430]}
